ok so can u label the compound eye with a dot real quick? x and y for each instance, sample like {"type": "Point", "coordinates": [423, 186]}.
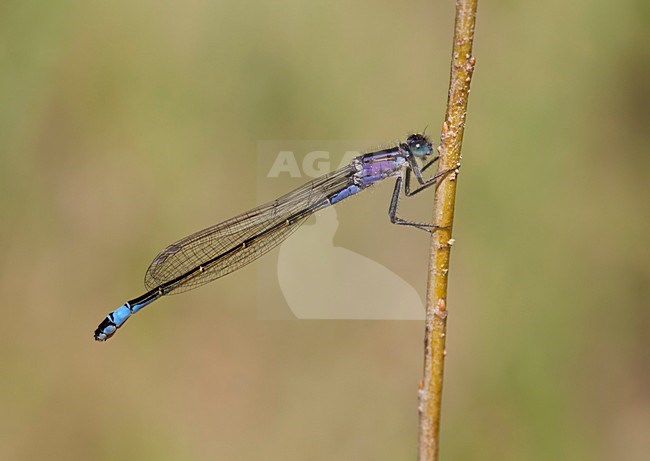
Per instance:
{"type": "Point", "coordinates": [419, 145]}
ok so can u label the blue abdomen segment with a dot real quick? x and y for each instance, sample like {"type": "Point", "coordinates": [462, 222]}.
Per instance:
{"type": "Point", "coordinates": [116, 319]}
{"type": "Point", "coordinates": [344, 193]}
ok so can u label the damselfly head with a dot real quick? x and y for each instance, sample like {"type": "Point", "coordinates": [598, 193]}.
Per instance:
{"type": "Point", "coordinates": [419, 145]}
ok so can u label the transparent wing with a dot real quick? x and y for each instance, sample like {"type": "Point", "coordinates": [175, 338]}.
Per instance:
{"type": "Point", "coordinates": [225, 247]}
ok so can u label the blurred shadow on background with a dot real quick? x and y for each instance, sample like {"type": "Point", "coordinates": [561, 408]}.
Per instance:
{"type": "Point", "coordinates": [323, 281]}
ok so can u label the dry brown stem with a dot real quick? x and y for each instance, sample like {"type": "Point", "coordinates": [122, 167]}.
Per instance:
{"type": "Point", "coordinates": [430, 392]}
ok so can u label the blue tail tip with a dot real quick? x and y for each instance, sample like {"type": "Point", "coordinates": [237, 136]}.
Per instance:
{"type": "Point", "coordinates": [105, 330]}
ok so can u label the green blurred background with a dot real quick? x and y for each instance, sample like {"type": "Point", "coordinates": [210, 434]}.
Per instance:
{"type": "Point", "coordinates": [126, 125]}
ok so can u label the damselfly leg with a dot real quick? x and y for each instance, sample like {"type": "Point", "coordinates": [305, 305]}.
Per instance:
{"type": "Point", "coordinates": [394, 202]}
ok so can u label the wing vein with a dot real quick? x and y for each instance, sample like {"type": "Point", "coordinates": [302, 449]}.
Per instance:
{"type": "Point", "coordinates": [213, 252]}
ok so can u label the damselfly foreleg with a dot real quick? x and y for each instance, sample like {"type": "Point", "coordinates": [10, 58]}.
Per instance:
{"type": "Point", "coordinates": [394, 202]}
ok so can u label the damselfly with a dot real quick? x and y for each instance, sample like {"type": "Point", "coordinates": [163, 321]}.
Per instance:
{"type": "Point", "coordinates": [230, 245]}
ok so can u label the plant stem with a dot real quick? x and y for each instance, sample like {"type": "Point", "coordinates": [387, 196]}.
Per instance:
{"type": "Point", "coordinates": [430, 391]}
